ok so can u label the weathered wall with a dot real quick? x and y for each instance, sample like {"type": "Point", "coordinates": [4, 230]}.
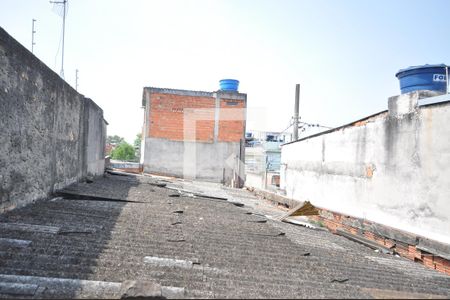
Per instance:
{"type": "Point", "coordinates": [198, 148]}
{"type": "Point", "coordinates": [96, 138]}
{"type": "Point", "coordinates": [391, 168]}
{"type": "Point", "coordinates": [166, 157]}
{"type": "Point", "coordinates": [43, 137]}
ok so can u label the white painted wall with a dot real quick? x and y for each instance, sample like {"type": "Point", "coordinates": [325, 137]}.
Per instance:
{"type": "Point", "coordinates": [408, 150]}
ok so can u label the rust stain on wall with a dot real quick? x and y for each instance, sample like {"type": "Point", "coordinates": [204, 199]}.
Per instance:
{"type": "Point", "coordinates": [369, 171]}
{"type": "Point", "coordinates": [360, 123]}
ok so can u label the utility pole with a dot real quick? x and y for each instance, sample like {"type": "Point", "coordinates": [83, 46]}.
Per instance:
{"type": "Point", "coordinates": [296, 109]}
{"type": "Point", "coordinates": [76, 79]}
{"type": "Point", "coordinates": [32, 36]}
{"type": "Point", "coordinates": [64, 2]}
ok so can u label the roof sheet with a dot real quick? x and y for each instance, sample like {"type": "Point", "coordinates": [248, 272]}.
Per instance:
{"type": "Point", "coordinates": [207, 247]}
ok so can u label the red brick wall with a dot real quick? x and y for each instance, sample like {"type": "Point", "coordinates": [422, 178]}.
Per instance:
{"type": "Point", "coordinates": [166, 118]}
{"type": "Point", "coordinates": [231, 130]}
{"type": "Point", "coordinates": [334, 222]}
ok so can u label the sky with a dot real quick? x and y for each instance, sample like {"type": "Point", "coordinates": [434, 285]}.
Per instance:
{"type": "Point", "coordinates": [344, 53]}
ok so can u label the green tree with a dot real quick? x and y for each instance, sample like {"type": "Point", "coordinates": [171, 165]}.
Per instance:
{"type": "Point", "coordinates": [123, 151]}
{"type": "Point", "coordinates": [114, 139]}
{"type": "Point", "coordinates": [137, 146]}
{"type": "Point", "coordinates": [137, 141]}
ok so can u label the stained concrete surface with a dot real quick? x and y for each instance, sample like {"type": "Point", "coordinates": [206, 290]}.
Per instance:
{"type": "Point", "coordinates": [50, 137]}
{"type": "Point", "coordinates": [208, 160]}
{"type": "Point", "coordinates": [190, 246]}
{"type": "Point", "coordinates": [388, 168]}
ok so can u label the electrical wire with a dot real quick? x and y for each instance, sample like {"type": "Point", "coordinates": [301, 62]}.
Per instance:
{"type": "Point", "coordinates": [290, 124]}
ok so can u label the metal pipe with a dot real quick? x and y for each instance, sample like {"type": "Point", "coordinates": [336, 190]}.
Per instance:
{"type": "Point", "coordinates": [296, 110]}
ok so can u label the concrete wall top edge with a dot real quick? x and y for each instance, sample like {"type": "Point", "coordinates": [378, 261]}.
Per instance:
{"type": "Point", "coordinates": [354, 123]}
{"type": "Point", "coordinates": [223, 94]}
{"type": "Point", "coordinates": [92, 102]}
{"type": "Point", "coordinates": [19, 50]}
{"type": "Point", "coordinates": [429, 105]}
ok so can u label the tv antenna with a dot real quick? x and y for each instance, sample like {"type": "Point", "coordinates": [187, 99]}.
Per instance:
{"type": "Point", "coordinates": [61, 12]}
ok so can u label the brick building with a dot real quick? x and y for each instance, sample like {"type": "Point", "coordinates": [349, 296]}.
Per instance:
{"type": "Point", "coordinates": [194, 134]}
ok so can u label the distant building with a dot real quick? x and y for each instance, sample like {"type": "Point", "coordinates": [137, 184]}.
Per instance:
{"type": "Point", "coordinates": [194, 134]}
{"type": "Point", "coordinates": [254, 137]}
{"type": "Point", "coordinates": [262, 158]}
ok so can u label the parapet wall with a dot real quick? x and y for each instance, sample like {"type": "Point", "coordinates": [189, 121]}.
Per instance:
{"type": "Point", "coordinates": [51, 136]}
{"type": "Point", "coordinates": [390, 168]}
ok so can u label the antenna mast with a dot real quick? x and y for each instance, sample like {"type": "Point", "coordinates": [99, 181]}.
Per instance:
{"type": "Point", "coordinates": [64, 2]}
{"type": "Point", "coordinates": [296, 107]}
{"type": "Point", "coordinates": [76, 79]}
{"type": "Point", "coordinates": [32, 36]}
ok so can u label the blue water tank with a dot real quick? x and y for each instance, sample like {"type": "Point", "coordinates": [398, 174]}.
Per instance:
{"type": "Point", "coordinates": [229, 85]}
{"type": "Point", "coordinates": [426, 77]}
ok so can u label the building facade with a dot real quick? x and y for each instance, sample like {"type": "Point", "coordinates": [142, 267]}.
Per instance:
{"type": "Point", "coordinates": [194, 134]}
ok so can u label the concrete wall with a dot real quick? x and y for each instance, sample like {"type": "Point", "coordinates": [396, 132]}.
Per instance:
{"type": "Point", "coordinates": [166, 157]}
{"type": "Point", "coordinates": [391, 168]}
{"type": "Point", "coordinates": [96, 138]}
{"type": "Point", "coordinates": [45, 140]}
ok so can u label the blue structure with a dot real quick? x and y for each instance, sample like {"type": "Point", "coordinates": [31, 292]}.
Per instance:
{"type": "Point", "coordinates": [229, 85]}
{"type": "Point", "coordinates": [426, 77]}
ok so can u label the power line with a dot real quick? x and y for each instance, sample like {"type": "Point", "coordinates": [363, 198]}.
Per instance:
{"type": "Point", "coordinates": [290, 124]}
{"type": "Point", "coordinates": [316, 125]}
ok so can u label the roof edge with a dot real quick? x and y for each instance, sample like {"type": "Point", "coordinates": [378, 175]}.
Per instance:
{"type": "Point", "coordinates": [223, 94]}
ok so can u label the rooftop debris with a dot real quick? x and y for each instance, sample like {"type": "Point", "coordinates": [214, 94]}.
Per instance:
{"type": "Point", "coordinates": [77, 196]}
{"type": "Point", "coordinates": [365, 241]}
{"type": "Point", "coordinates": [302, 209]}
{"type": "Point", "coordinates": [340, 280]}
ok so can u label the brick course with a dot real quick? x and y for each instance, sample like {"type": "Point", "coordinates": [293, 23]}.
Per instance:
{"type": "Point", "coordinates": [167, 111]}
{"type": "Point", "coordinates": [333, 221]}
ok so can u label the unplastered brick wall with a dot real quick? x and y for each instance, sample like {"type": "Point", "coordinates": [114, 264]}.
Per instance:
{"type": "Point", "coordinates": [430, 253]}
{"type": "Point", "coordinates": [166, 115]}
{"type": "Point", "coordinates": [416, 248]}
{"type": "Point", "coordinates": [194, 134]}
{"type": "Point", "coordinates": [231, 130]}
